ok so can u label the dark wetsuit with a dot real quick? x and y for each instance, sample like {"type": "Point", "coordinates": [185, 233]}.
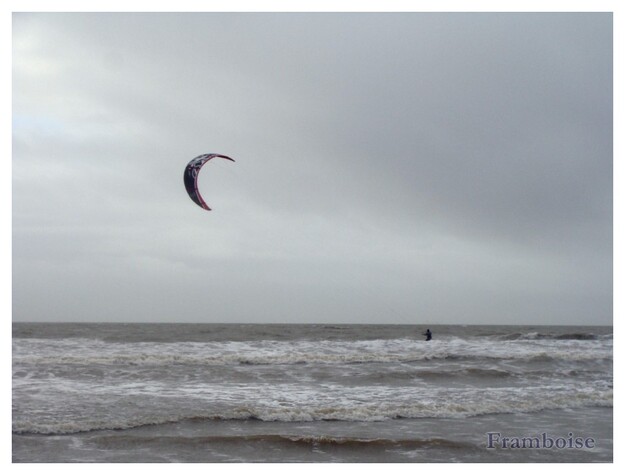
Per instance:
{"type": "Point", "coordinates": [428, 335]}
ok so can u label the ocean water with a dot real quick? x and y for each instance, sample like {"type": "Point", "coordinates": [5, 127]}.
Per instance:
{"type": "Point", "coordinates": [310, 393]}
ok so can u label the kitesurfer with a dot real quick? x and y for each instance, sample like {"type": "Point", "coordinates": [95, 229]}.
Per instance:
{"type": "Point", "coordinates": [428, 335]}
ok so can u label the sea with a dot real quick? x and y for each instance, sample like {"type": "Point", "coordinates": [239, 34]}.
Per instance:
{"type": "Point", "coordinates": [230, 393]}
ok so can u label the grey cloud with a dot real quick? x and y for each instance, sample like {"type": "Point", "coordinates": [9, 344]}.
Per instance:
{"type": "Point", "coordinates": [435, 167]}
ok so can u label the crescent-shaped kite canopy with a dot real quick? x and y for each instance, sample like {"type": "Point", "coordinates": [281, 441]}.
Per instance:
{"type": "Point", "coordinates": [191, 173]}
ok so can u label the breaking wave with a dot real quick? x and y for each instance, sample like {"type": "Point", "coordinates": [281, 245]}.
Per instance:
{"type": "Point", "coordinates": [363, 412]}
{"type": "Point", "coordinates": [557, 336]}
{"type": "Point", "coordinates": [121, 441]}
{"type": "Point", "coordinates": [523, 348]}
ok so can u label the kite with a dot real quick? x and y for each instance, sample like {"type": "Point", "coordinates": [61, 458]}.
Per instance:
{"type": "Point", "coordinates": [191, 173]}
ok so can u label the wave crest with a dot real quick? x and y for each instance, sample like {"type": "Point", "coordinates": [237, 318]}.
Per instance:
{"type": "Point", "coordinates": [372, 412]}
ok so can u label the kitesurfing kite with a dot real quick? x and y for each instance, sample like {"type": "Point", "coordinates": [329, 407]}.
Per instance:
{"type": "Point", "coordinates": [191, 173]}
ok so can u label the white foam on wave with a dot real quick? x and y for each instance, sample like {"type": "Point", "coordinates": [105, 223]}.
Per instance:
{"type": "Point", "coordinates": [268, 352]}
{"type": "Point", "coordinates": [73, 385]}
{"type": "Point", "coordinates": [290, 404]}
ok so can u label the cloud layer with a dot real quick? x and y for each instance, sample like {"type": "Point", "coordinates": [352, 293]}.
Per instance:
{"type": "Point", "coordinates": [406, 168]}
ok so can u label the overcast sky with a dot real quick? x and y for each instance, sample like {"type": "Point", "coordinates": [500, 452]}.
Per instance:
{"type": "Point", "coordinates": [390, 168]}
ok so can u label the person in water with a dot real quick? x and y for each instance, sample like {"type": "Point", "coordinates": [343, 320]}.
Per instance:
{"type": "Point", "coordinates": [428, 335]}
